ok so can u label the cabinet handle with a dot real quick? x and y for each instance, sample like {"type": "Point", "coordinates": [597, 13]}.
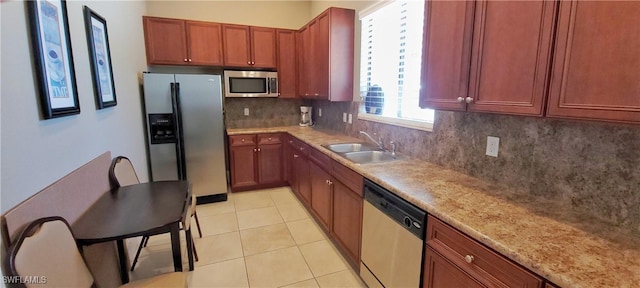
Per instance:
{"type": "Point", "coordinates": [460, 99]}
{"type": "Point", "coordinates": [290, 142]}
{"type": "Point", "coordinates": [255, 150]}
{"type": "Point", "coordinates": [259, 149]}
{"type": "Point", "coordinates": [185, 59]}
{"type": "Point", "coordinates": [468, 258]}
{"type": "Point", "coordinates": [330, 182]}
{"type": "Point", "coordinates": [295, 156]}
{"type": "Point", "coordinates": [468, 100]}
{"type": "Point", "coordinates": [242, 140]}
{"type": "Point", "coordinates": [316, 94]}
{"type": "Point", "coordinates": [269, 138]}
{"type": "Point", "coordinates": [301, 148]}
{"type": "Point", "coordinates": [189, 60]}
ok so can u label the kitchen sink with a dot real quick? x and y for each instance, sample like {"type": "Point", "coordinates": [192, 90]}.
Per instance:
{"type": "Point", "coordinates": [362, 157]}
{"type": "Point", "coordinates": [349, 147]}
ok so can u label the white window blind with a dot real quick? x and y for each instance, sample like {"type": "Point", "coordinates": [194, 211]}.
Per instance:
{"type": "Point", "coordinates": [391, 57]}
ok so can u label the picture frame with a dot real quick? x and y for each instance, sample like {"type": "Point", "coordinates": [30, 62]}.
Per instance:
{"type": "Point", "coordinates": [100, 58]}
{"type": "Point", "coordinates": [53, 58]}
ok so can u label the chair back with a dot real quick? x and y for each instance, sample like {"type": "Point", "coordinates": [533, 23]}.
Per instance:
{"type": "Point", "coordinates": [122, 173]}
{"type": "Point", "coordinates": [47, 253]}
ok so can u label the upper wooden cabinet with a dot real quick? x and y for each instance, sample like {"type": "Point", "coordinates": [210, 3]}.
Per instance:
{"type": "Point", "coordinates": [506, 55]}
{"type": "Point", "coordinates": [287, 70]}
{"type": "Point", "coordinates": [247, 46]}
{"type": "Point", "coordinates": [596, 67]}
{"type": "Point", "coordinates": [326, 56]}
{"type": "Point", "coordinates": [182, 42]}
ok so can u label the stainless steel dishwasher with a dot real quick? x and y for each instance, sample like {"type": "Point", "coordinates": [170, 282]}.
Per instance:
{"type": "Point", "coordinates": [392, 239]}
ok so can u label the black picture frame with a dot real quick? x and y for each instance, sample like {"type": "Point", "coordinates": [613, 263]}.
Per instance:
{"type": "Point", "coordinates": [53, 58]}
{"type": "Point", "coordinates": [100, 58]}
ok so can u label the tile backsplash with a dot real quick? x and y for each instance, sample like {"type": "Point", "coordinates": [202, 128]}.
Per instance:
{"type": "Point", "coordinates": [263, 112]}
{"type": "Point", "coordinates": [591, 167]}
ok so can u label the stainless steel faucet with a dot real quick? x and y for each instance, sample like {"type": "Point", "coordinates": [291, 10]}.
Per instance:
{"type": "Point", "coordinates": [378, 143]}
{"type": "Point", "coordinates": [393, 148]}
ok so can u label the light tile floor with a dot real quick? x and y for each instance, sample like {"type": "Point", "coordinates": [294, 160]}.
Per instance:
{"type": "Point", "coordinates": [262, 238]}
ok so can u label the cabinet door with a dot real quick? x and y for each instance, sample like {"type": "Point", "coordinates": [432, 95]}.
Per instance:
{"type": "Point", "coordinates": [287, 72]}
{"type": "Point", "coordinates": [165, 41]}
{"type": "Point", "coordinates": [440, 273]}
{"type": "Point", "coordinates": [302, 178]}
{"type": "Point", "coordinates": [204, 43]}
{"type": "Point", "coordinates": [320, 194]}
{"type": "Point", "coordinates": [237, 45]}
{"type": "Point", "coordinates": [243, 166]}
{"type": "Point", "coordinates": [448, 27]}
{"type": "Point", "coordinates": [270, 163]}
{"type": "Point", "coordinates": [511, 56]}
{"type": "Point", "coordinates": [347, 220]}
{"type": "Point", "coordinates": [596, 64]}
{"type": "Point", "coordinates": [339, 81]}
{"type": "Point", "coordinates": [304, 61]}
{"type": "Point", "coordinates": [319, 34]}
{"type": "Point", "coordinates": [263, 47]}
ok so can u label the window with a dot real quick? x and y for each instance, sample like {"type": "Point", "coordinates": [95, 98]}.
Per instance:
{"type": "Point", "coordinates": [390, 65]}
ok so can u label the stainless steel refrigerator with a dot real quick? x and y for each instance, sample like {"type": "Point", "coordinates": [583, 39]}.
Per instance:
{"type": "Point", "coordinates": [185, 131]}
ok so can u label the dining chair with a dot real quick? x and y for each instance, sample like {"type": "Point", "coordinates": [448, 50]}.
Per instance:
{"type": "Point", "coordinates": [122, 173]}
{"type": "Point", "coordinates": [46, 252]}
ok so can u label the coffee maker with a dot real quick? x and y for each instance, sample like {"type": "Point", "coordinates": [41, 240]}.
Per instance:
{"type": "Point", "coordinates": [305, 116]}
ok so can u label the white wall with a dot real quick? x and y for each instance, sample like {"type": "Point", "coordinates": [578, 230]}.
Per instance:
{"type": "Point", "coordinates": [35, 152]}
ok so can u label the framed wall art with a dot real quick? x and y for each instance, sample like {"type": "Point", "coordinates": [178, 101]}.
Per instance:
{"type": "Point", "coordinates": [100, 56]}
{"type": "Point", "coordinates": [53, 58]}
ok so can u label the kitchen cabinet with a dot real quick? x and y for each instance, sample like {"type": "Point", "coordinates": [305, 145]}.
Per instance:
{"type": "Point", "coordinates": [452, 259]}
{"type": "Point", "coordinates": [503, 47]}
{"type": "Point", "coordinates": [287, 70]}
{"type": "Point", "coordinates": [300, 170]}
{"type": "Point", "coordinates": [346, 225]}
{"type": "Point", "coordinates": [596, 62]}
{"type": "Point", "coordinates": [326, 56]}
{"type": "Point", "coordinates": [248, 46]}
{"type": "Point", "coordinates": [182, 42]}
{"type": "Point", "coordinates": [321, 190]}
{"type": "Point", "coordinates": [256, 161]}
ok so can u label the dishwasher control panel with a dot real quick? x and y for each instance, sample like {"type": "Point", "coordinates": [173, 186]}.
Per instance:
{"type": "Point", "coordinates": [401, 211]}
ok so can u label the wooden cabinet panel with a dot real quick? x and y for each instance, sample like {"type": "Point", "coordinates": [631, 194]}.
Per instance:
{"type": "Point", "coordinates": [204, 43]}
{"type": "Point", "coordinates": [303, 178]}
{"type": "Point", "coordinates": [485, 265]}
{"type": "Point", "coordinates": [165, 41]}
{"type": "Point", "coordinates": [595, 72]}
{"type": "Point", "coordinates": [347, 220]}
{"type": "Point", "coordinates": [511, 53]}
{"type": "Point", "coordinates": [243, 140]}
{"type": "Point", "coordinates": [237, 45]}
{"type": "Point", "coordinates": [270, 167]}
{"type": "Point", "coordinates": [440, 273]}
{"type": "Point", "coordinates": [269, 138]}
{"type": "Point", "coordinates": [448, 27]}
{"type": "Point", "coordinates": [348, 177]}
{"type": "Point", "coordinates": [263, 47]}
{"type": "Point", "coordinates": [320, 194]}
{"type": "Point", "coordinates": [287, 70]}
{"type": "Point", "coordinates": [304, 57]}
{"type": "Point", "coordinates": [243, 166]}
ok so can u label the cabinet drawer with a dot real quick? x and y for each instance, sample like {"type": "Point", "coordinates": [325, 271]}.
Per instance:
{"type": "Point", "coordinates": [271, 138]}
{"type": "Point", "coordinates": [475, 258]}
{"type": "Point", "coordinates": [320, 159]}
{"type": "Point", "coordinates": [242, 140]}
{"type": "Point", "coordinates": [348, 177]}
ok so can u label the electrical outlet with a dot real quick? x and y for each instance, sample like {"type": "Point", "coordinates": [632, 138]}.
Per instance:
{"type": "Point", "coordinates": [319, 112]}
{"type": "Point", "coordinates": [493, 145]}
{"type": "Point", "coordinates": [246, 111]}
{"type": "Point", "coordinates": [350, 118]}
{"type": "Point", "coordinates": [344, 117]}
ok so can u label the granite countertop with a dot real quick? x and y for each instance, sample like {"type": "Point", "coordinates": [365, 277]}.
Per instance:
{"type": "Point", "coordinates": [559, 245]}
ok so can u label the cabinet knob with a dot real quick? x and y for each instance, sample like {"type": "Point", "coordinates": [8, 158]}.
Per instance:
{"type": "Point", "coordinates": [468, 258]}
{"type": "Point", "coordinates": [255, 150]}
{"type": "Point", "coordinates": [259, 149]}
{"type": "Point", "coordinates": [326, 181]}
{"type": "Point", "coordinates": [301, 148]}
{"type": "Point", "coordinates": [185, 59]}
{"type": "Point", "coordinates": [468, 100]}
{"type": "Point", "coordinates": [460, 99]}
{"type": "Point", "coordinates": [242, 140]}
{"type": "Point", "coordinates": [295, 156]}
{"type": "Point", "coordinates": [290, 142]}
{"type": "Point", "coordinates": [316, 94]}
{"type": "Point", "coordinates": [189, 60]}
{"type": "Point", "coordinates": [269, 138]}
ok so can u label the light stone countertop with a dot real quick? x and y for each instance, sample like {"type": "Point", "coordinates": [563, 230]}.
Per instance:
{"type": "Point", "coordinates": [562, 246]}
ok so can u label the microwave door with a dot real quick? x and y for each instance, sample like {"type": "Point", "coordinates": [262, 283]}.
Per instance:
{"type": "Point", "coordinates": [273, 87]}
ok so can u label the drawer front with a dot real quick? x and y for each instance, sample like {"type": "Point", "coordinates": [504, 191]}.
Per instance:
{"type": "Point", "coordinates": [271, 138]}
{"type": "Point", "coordinates": [475, 257]}
{"type": "Point", "coordinates": [243, 140]}
{"type": "Point", "coordinates": [320, 159]}
{"type": "Point", "coordinates": [348, 177]}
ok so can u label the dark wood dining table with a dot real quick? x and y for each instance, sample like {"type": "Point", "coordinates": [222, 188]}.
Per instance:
{"type": "Point", "coordinates": [130, 211]}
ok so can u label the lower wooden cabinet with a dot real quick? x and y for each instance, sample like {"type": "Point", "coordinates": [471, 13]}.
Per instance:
{"type": "Point", "coordinates": [321, 194]}
{"type": "Point", "coordinates": [346, 226]}
{"type": "Point", "coordinates": [452, 259]}
{"type": "Point", "coordinates": [256, 161]}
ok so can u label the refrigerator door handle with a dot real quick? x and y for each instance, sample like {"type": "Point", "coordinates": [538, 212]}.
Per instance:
{"type": "Point", "coordinates": [177, 118]}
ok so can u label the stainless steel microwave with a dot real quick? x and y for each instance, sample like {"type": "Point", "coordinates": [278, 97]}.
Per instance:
{"type": "Point", "coordinates": [250, 84]}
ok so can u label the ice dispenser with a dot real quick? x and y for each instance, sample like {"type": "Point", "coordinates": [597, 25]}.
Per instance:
{"type": "Point", "coordinates": [163, 129]}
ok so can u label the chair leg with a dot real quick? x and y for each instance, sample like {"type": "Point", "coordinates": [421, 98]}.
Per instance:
{"type": "Point", "coordinates": [189, 248]}
{"type": "Point", "coordinates": [142, 244]}
{"type": "Point", "coordinates": [195, 252]}
{"type": "Point", "coordinates": [195, 214]}
{"type": "Point", "coordinates": [146, 240]}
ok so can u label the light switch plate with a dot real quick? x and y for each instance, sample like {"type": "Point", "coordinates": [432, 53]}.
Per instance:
{"type": "Point", "coordinates": [344, 117]}
{"type": "Point", "coordinates": [493, 145]}
{"type": "Point", "coordinates": [350, 118]}
{"type": "Point", "coordinates": [319, 112]}
{"type": "Point", "coordinates": [246, 111]}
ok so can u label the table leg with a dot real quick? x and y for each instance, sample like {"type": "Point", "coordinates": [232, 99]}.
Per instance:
{"type": "Point", "coordinates": [122, 257]}
{"type": "Point", "coordinates": [175, 247]}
